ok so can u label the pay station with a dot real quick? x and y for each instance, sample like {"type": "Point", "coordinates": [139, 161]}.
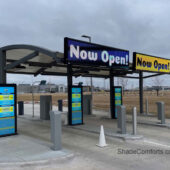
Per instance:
{"type": "Point", "coordinates": [76, 106]}
{"type": "Point", "coordinates": [94, 56]}
{"type": "Point", "coordinates": [8, 116]}
{"type": "Point", "coordinates": [117, 98]}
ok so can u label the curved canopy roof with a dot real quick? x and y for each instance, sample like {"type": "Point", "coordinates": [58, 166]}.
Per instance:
{"type": "Point", "coordinates": [29, 59]}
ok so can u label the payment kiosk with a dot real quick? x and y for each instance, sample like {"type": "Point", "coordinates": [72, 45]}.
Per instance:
{"type": "Point", "coordinates": [76, 105]}
{"type": "Point", "coordinates": [8, 116]}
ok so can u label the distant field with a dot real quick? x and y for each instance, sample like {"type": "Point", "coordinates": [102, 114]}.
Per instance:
{"type": "Point", "coordinates": [101, 100]}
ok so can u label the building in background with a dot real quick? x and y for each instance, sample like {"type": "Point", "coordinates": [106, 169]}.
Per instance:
{"type": "Point", "coordinates": [61, 88]}
{"type": "Point", "coordinates": [24, 88]}
{"type": "Point", "coordinates": [157, 88]}
{"type": "Point", "coordinates": [42, 88]}
{"type": "Point", "coordinates": [86, 88]}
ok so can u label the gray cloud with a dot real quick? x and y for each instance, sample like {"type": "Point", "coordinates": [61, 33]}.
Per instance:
{"type": "Point", "coordinates": [141, 26]}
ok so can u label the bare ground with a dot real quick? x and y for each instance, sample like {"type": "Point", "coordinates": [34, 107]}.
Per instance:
{"type": "Point", "coordinates": [101, 100]}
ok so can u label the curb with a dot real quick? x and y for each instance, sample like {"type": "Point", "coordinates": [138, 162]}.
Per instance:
{"type": "Point", "coordinates": [38, 162]}
{"type": "Point", "coordinates": [115, 135]}
{"type": "Point", "coordinates": [152, 124]}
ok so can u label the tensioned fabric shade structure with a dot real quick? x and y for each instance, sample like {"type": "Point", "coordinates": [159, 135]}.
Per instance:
{"type": "Point", "coordinates": [28, 59]}
{"type": "Point", "coordinates": [33, 60]}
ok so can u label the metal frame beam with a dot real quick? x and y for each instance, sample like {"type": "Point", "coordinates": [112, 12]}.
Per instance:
{"type": "Point", "coordinates": [30, 47]}
{"type": "Point", "coordinates": [69, 84]}
{"type": "Point", "coordinates": [141, 91]}
{"type": "Point", "coordinates": [112, 115]}
{"type": "Point", "coordinates": [41, 70]}
{"type": "Point", "coordinates": [130, 77]}
{"type": "Point", "coordinates": [38, 64]}
{"type": "Point", "coordinates": [2, 66]}
{"type": "Point", "coordinates": [27, 73]}
{"type": "Point", "coordinates": [153, 75]}
{"type": "Point", "coordinates": [44, 73]}
{"type": "Point", "coordinates": [54, 56]}
{"type": "Point", "coordinates": [92, 75]}
{"type": "Point", "coordinates": [80, 71]}
{"type": "Point", "coordinates": [54, 74]}
{"type": "Point", "coordinates": [22, 60]}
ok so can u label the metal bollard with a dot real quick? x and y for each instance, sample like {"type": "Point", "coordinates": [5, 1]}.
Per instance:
{"type": "Point", "coordinates": [134, 120]}
{"type": "Point", "coordinates": [121, 116]}
{"type": "Point", "coordinates": [65, 118]}
{"type": "Point", "coordinates": [21, 108]}
{"type": "Point", "coordinates": [60, 105]}
{"type": "Point", "coordinates": [87, 104]}
{"type": "Point", "coordinates": [45, 107]}
{"type": "Point", "coordinates": [55, 121]}
{"type": "Point", "coordinates": [147, 106]}
{"type": "Point", "coordinates": [161, 112]}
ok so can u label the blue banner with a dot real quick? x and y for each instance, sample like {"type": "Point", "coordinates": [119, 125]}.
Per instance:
{"type": "Point", "coordinates": [88, 53]}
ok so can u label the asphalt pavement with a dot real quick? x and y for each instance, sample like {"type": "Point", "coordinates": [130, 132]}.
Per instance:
{"type": "Point", "coordinates": [31, 148]}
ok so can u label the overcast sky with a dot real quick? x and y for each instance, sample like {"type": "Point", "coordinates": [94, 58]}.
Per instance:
{"type": "Point", "coordinates": [135, 25]}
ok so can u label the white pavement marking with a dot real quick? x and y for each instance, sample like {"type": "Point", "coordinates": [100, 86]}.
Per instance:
{"type": "Point", "coordinates": [156, 143]}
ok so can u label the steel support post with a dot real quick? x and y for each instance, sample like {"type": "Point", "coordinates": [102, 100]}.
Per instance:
{"type": "Point", "coordinates": [56, 130]}
{"type": "Point", "coordinates": [141, 91]}
{"type": "Point", "coordinates": [2, 67]}
{"type": "Point", "coordinates": [69, 84]}
{"type": "Point", "coordinates": [134, 120]}
{"type": "Point", "coordinates": [121, 115]}
{"type": "Point", "coordinates": [147, 106]}
{"type": "Point", "coordinates": [91, 95]}
{"type": "Point", "coordinates": [161, 111]}
{"type": "Point", "coordinates": [112, 111]}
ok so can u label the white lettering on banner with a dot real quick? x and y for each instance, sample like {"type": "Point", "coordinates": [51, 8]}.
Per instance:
{"type": "Point", "coordinates": [74, 51]}
{"type": "Point", "coordinates": [126, 59]}
{"type": "Point", "coordinates": [117, 59]}
{"type": "Point", "coordinates": [123, 60]}
{"type": "Point", "coordinates": [93, 56]}
{"type": "Point", "coordinates": [105, 56]}
{"type": "Point", "coordinates": [83, 54]}
{"type": "Point", "coordinates": [111, 60]}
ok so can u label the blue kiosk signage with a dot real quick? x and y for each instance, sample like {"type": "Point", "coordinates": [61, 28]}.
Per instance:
{"type": "Point", "coordinates": [8, 125]}
{"type": "Point", "coordinates": [117, 98]}
{"type": "Point", "coordinates": [80, 52]}
{"type": "Point", "coordinates": [76, 108]}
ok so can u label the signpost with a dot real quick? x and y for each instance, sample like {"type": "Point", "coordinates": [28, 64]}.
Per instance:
{"type": "Point", "coordinates": [8, 116]}
{"type": "Point", "coordinates": [143, 62]}
{"type": "Point", "coordinates": [85, 53]}
{"type": "Point", "coordinates": [117, 98]}
{"type": "Point", "coordinates": [76, 108]}
{"type": "Point", "coordinates": [147, 63]}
